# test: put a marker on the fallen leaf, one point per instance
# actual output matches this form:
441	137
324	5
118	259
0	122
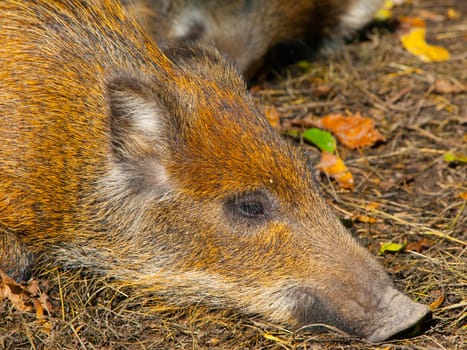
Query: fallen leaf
364	218
333	166
372	206
431	15
419	245
323	139
391	247
437	303
255	89
306	66
414	42
273	116
442	86
17	294
411	22
383	14
27	298
353	131
453	13
213	342
463	195
322	90
452	157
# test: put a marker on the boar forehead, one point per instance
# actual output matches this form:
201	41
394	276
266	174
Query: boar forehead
229	145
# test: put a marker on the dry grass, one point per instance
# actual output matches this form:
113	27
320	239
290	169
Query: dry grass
416	191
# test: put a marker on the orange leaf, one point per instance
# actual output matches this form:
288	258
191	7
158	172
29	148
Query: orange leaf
273	116
352	131
372	206
412	22
333	166
364	218
414	42
437	303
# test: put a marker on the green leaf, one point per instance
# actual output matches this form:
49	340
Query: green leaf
305	65
391	247
292	133
451	157
323	139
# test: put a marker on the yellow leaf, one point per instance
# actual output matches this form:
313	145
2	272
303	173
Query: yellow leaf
453	13
391	247
383	14
414	42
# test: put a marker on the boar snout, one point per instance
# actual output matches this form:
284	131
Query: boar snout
394	313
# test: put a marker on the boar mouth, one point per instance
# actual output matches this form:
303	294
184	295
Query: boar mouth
394	313
313	310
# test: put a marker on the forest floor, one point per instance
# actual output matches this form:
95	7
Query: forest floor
405	192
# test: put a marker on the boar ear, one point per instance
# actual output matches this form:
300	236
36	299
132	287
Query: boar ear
139	126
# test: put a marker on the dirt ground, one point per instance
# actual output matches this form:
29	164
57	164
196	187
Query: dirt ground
405	192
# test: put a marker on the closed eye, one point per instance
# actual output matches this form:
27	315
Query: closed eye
251	206
251	209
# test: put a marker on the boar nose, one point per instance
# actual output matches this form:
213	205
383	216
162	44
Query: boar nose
397	313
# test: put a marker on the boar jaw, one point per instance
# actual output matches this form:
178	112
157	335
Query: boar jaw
394	314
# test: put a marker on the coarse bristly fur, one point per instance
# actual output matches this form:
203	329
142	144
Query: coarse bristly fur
246	30
156	170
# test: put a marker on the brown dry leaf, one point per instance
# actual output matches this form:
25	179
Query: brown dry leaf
352	131
431	15
419	245
273	116
17	294
442	86
255	88
322	90
415	43
26	298
334	166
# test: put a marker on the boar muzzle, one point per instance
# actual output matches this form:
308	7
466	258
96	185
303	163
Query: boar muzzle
393	314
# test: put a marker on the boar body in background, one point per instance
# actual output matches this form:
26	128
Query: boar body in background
157	170
245	30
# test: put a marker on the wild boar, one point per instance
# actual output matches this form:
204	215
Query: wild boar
246	30
156	169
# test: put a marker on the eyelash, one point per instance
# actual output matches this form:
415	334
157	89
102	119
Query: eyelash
249	206
251	209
